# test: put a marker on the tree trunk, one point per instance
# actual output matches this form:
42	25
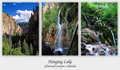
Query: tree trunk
75	32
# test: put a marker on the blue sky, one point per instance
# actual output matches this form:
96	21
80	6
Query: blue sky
43	4
21	11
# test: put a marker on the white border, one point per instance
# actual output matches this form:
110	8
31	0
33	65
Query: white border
37	63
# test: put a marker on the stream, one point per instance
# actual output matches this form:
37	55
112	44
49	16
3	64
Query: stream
99	48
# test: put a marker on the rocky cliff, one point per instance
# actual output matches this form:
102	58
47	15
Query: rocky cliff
25	29
49	6
33	30
6	20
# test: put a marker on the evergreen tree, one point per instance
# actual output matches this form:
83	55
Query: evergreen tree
17	51
31	49
37	53
25	48
5	39
19	43
5	49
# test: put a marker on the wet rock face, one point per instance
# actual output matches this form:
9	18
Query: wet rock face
107	33
6	20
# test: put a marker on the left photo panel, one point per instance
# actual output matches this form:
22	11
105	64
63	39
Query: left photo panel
20	28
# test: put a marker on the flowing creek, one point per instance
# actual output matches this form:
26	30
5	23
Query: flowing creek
100	47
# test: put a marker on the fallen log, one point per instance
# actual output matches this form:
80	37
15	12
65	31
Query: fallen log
74	34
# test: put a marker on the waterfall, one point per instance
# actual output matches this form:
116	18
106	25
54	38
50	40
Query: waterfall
58	44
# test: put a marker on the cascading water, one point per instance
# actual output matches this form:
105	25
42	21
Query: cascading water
112	36
61	36
106	48
58	44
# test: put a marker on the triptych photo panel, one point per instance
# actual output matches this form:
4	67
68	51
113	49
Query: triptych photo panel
60	23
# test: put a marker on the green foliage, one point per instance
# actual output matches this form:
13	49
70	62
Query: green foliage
31	49
106	12
19	43
37	53
110	15
88	35
102	39
7	14
89	9
25	48
83	24
5	39
5	49
89	40
68	9
50	18
17	51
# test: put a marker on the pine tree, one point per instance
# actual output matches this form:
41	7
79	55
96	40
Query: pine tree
31	49
5	49
5	39
25	48
19	43
37	53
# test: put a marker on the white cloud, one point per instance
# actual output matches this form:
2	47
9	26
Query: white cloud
24	15
4	4
14	4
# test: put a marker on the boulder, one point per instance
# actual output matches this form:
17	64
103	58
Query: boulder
88	35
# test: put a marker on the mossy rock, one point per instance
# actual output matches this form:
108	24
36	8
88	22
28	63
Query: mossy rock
83	24
102	39
106	32
110	41
88	35
63	12
72	12
89	40
92	22
98	26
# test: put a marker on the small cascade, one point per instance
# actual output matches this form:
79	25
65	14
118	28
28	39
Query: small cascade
99	49
112	36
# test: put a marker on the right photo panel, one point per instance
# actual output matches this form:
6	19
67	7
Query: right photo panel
99	32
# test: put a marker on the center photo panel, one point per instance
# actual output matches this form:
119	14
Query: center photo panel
59	28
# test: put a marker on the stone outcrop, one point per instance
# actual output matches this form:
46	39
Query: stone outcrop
6	20
49	6
88	33
25	29
32	35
